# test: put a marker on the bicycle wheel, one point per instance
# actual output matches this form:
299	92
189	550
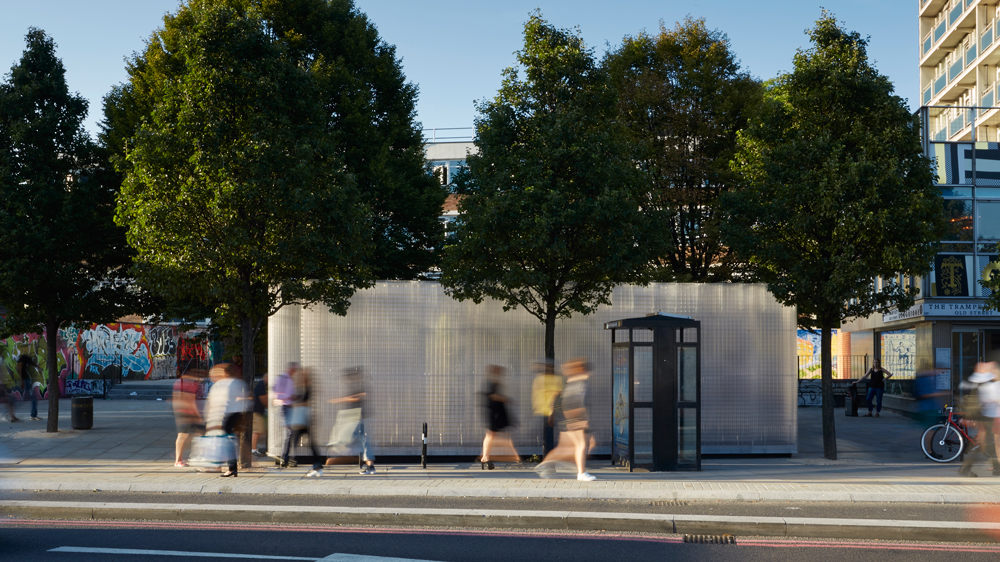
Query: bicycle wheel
942	443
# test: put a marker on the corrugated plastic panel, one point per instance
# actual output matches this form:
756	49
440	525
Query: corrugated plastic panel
425	355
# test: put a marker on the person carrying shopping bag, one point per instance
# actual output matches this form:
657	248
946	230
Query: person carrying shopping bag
228	400
300	421
349	436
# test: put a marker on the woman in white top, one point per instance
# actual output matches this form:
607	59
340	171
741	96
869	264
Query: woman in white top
228	399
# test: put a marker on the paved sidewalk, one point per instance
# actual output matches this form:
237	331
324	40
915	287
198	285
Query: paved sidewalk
131	449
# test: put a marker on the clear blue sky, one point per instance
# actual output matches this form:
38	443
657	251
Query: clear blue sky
454	50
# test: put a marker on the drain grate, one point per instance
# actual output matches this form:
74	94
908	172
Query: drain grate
669	503
710	539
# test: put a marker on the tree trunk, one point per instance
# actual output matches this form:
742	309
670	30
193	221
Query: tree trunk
826	370
51	365
550	334
549	432
247	327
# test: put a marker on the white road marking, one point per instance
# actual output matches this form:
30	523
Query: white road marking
138	552
365	558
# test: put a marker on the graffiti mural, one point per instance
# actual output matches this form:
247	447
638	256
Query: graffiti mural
163	350
35	348
89	355
810	353
80	387
115	346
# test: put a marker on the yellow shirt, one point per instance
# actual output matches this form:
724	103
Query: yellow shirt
544	390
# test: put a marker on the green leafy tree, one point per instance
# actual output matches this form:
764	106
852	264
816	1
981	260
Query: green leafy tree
549	220
235	197
838	193
373	121
62	258
683	98
991	280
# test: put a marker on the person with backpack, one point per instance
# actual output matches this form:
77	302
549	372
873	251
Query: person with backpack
983	407
876	387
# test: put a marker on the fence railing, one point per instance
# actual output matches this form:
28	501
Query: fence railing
844	366
855	366
449	134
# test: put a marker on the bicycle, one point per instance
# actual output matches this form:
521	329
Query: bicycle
945	442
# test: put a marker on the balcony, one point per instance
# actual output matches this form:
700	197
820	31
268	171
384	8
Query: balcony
956	11
955	69
955	23
939	83
956	125
986	39
987	101
930	8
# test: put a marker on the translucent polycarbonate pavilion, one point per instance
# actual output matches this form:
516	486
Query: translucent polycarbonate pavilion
425	355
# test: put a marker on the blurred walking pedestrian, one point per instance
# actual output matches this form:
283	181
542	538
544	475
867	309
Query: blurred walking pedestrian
24	368
350	435
984	384
544	389
574	443
876	386
284	397
186	413
259	415
7	397
228	400
497	417
300	420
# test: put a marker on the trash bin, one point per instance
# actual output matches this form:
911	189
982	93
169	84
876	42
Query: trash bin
83	412
851	402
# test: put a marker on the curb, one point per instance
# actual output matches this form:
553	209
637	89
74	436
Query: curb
804	527
424	488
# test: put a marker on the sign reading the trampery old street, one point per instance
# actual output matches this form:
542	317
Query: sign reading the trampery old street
938	308
958	309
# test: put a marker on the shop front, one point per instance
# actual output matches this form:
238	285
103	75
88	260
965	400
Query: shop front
940	338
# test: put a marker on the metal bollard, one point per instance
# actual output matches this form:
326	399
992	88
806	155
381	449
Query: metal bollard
423	448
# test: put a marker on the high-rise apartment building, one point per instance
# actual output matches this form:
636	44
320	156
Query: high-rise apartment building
948	330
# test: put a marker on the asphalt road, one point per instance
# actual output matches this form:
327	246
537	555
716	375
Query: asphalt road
27	541
870	510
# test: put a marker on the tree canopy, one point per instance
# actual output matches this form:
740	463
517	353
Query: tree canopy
62	258
549	219
371	120
683	98
235	195
839	193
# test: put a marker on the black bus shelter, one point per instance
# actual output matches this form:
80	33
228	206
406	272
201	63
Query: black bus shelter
656	392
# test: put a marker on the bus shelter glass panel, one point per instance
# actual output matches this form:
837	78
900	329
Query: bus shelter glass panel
643	361
643	436
621	404
687	374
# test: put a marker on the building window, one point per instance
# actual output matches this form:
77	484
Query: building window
988	219
447	169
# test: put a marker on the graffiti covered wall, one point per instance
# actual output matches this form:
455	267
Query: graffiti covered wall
102	352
